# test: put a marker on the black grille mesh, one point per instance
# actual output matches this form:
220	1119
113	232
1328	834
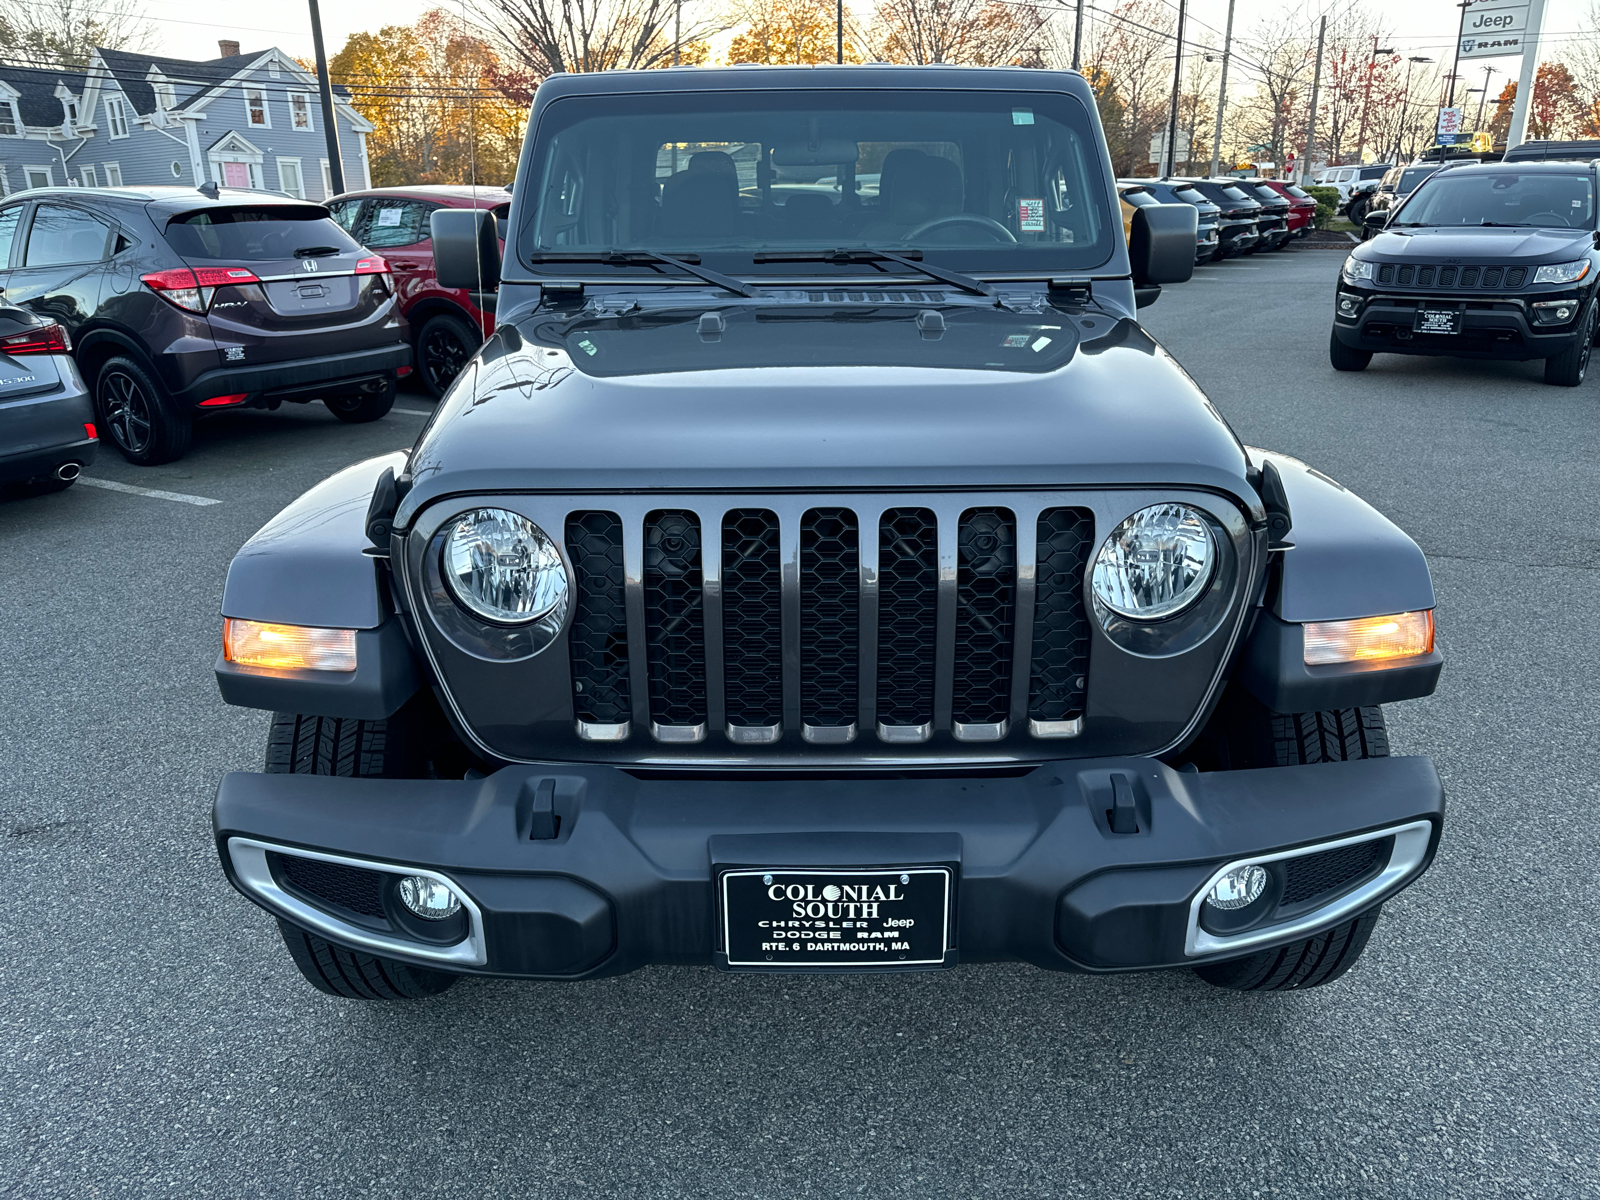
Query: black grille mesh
752	622
829	616
675	636
354	888
1060	625
908	583
986	604
598	640
1314	875
1507	278
1491	277
1515	277
1469	276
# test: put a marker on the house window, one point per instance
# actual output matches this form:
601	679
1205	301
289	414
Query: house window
255	103
300	110
37	177
117	117
72	114
8	118
5	182
327	181
289	178
89	179
113	174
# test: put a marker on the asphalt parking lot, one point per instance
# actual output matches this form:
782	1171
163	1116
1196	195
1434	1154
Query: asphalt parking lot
156	1041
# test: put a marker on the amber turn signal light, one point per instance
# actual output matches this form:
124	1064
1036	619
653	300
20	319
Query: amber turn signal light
288	647
1369	639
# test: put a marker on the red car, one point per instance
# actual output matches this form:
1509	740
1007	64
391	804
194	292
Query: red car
1301	206
447	327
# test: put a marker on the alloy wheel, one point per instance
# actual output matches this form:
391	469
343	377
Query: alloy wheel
127	412
443	357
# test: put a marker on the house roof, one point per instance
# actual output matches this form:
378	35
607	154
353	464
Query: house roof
37	102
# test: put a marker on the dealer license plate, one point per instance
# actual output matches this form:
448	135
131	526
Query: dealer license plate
1438	320
813	917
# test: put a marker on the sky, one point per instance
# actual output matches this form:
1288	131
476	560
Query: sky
1423	27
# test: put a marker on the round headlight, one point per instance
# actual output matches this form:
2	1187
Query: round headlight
1156	563
503	567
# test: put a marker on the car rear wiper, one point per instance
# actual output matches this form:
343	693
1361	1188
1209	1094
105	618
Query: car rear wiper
622	258
315	251
842	257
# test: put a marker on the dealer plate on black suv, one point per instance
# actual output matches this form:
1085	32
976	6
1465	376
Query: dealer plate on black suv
814	917
1438	320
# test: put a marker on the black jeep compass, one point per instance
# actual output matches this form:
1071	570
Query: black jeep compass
1483	260
180	301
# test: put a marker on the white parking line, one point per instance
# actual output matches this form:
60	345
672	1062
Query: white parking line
111	485
414	412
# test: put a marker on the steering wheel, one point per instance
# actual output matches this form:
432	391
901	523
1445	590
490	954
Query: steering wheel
1555	217
988	224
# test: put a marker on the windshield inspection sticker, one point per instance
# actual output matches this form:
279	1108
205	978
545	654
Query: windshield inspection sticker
1040	343
1015	341
1030	216
1022	116
588	347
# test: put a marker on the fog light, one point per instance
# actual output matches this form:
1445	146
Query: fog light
428	898
288	647
1347	306
1239	888
1554	312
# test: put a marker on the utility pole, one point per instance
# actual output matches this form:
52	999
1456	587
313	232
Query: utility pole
1487	71
1366	100
1222	90
1518	132
1316	87
677	31
330	127
1171	155
838	50
1077	38
1461	28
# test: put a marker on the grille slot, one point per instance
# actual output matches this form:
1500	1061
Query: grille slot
1469	276
752	618
1425	277
1407	275
1447	276
1386	273
1314	875
353	888
986	599
830	609
908	581
1515	277
1060	623
675	624
598	639
1491	276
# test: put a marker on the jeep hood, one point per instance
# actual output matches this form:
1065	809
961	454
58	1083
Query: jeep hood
782	404
1471	244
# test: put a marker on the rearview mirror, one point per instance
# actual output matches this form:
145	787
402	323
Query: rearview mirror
1161	245
466	248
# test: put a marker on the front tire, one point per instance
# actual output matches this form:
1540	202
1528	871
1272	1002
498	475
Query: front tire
142	420
1358	212
1568	368
1345	358
357	408
352	975
444	345
1304	964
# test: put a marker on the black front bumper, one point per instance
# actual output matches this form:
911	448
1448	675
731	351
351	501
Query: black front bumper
627	880
301	376
1492	327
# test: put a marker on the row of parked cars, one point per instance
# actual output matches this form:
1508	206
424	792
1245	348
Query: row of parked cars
1236	216
130	312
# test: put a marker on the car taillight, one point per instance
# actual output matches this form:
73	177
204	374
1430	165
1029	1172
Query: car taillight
89	430
177	286
372	266
224	401
192	289
46	339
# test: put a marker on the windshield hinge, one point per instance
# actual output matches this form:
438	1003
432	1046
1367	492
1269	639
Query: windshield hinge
562	290
1070	291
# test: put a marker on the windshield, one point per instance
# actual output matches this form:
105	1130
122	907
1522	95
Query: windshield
259	233
980	181
1502	198
1411	176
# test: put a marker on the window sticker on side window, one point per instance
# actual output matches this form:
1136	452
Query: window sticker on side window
388	217
1030	216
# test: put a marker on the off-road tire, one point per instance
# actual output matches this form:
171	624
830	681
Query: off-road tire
1335	735
444	344
1344	358
352	975
1358	212
138	416
1568	368
1304	964
358	408
305	745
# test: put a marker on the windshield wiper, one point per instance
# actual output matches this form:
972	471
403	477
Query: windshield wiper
621	258
1510	225
843	257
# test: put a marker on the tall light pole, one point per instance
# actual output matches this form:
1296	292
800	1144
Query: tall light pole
1487	71
1366	100
1222	91
1077	38
838	49
677	31
1405	104
1461	27
1316	87
1171	155
330	127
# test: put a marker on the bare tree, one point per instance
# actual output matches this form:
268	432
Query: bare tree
1128	59
546	37
984	33
65	32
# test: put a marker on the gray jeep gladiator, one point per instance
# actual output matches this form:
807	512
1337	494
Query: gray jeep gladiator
820	569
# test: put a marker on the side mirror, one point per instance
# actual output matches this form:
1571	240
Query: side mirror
1161	247
1376	220
466	248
